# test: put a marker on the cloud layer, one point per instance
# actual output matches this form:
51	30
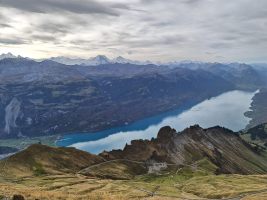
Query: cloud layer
208	30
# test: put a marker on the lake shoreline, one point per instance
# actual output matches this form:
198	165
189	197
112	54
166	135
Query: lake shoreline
56	140
79	140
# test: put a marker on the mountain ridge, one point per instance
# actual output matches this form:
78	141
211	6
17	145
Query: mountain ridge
220	147
103	59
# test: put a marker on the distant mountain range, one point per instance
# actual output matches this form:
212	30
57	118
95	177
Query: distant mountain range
98	60
46	97
94	61
102	59
7	55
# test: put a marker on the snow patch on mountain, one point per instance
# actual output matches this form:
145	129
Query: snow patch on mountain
98	60
7	55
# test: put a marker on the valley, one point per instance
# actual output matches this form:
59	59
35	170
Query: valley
113	112
47	98
58	104
224	110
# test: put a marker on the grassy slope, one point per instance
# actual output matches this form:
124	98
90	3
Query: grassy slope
184	185
41	181
190	182
120	169
39	160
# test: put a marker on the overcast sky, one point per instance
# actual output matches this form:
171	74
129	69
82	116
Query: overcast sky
158	30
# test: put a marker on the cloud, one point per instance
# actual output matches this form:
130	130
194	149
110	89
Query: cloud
12	41
77	6
44	38
52	27
138	29
4	25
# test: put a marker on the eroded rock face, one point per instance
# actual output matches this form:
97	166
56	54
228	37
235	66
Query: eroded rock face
165	133
11	114
221	146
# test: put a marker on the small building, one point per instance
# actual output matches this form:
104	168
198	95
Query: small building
155	167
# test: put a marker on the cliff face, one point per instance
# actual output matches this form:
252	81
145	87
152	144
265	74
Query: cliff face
221	146
258	111
257	136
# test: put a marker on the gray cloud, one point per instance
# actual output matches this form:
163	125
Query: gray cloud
52	27
140	29
4	25
12	41
45	38
77	6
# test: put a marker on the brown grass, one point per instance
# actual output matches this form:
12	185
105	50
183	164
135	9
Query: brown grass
70	187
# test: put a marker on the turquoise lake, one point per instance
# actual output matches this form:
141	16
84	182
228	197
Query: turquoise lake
226	110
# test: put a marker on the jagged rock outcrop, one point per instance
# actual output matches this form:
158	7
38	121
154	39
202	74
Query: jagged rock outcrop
221	146
11	114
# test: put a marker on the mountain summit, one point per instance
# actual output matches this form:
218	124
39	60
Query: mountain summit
7	55
98	60
222	147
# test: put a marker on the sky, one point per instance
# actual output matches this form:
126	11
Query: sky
156	30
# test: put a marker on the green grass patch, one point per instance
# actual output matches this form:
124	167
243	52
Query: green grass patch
38	169
22	143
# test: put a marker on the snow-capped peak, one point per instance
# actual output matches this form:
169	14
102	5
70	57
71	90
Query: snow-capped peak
121	60
98	60
7	55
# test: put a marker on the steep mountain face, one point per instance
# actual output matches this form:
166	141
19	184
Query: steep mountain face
222	147
243	76
261	68
257	135
21	70
44	98
258	110
36	94
98	60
